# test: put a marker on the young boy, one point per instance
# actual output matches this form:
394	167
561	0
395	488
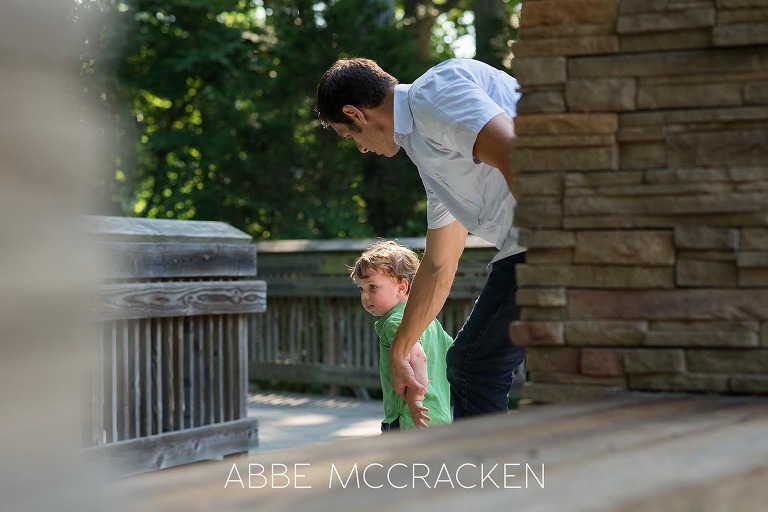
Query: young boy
383	274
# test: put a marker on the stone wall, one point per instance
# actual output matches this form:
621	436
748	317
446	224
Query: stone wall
642	162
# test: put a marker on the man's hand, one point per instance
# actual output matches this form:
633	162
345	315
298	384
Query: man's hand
402	377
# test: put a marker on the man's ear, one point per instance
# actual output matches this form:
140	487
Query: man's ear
354	113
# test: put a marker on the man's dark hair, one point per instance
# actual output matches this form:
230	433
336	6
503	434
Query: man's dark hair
358	82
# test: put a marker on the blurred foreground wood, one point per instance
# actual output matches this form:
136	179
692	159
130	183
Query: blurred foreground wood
636	453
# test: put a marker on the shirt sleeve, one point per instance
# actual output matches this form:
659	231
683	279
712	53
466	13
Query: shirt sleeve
451	109
438	215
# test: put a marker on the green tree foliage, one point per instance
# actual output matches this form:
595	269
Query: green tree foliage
210	109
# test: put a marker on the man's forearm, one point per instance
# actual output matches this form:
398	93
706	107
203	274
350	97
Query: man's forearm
429	291
430	287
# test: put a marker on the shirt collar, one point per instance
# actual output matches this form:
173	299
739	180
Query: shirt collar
383	318
403	116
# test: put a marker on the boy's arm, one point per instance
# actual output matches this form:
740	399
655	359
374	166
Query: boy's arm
412	396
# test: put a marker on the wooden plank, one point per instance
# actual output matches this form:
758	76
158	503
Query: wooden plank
353	245
172	299
176	448
314	373
628	454
335	286
133	229
97	388
131	260
242	362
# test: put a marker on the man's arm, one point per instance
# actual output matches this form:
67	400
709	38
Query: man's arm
429	291
414	399
494	146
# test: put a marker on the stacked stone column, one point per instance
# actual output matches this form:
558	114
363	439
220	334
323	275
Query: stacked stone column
642	161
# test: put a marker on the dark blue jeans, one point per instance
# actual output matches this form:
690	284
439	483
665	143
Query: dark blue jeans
482	360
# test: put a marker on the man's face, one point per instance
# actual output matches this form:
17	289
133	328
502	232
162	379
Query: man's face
369	137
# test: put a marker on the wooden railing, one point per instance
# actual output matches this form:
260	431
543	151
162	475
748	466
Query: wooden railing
169	372
316	331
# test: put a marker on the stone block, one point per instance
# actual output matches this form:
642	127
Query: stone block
707	255
764	334
634	6
704	304
567	46
753	384
537	102
642	155
565	141
699	61
566	159
654	361
538	212
686	119
734	147
541	297
547	239
601	95
542	314
665	21
602	362
595	276
682	95
598	179
549	256
753	277
625	247
642	134
701	339
532	71
564	393
627	220
608	333
577	379
539	13
578	30
553	359
740	4
705	274
566	124
754	239
678	383
737	34
535	333
705	237
756	93
539	184
670	205
689	39
728	361
752	259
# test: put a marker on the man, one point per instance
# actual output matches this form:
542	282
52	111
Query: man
455	123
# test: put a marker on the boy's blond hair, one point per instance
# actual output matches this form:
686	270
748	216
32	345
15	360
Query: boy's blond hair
388	258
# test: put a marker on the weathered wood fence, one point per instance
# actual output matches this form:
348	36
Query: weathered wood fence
316	331
169	372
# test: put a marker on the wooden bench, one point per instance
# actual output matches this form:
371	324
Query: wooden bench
631	453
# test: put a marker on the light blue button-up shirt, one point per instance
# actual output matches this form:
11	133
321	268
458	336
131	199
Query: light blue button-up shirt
437	119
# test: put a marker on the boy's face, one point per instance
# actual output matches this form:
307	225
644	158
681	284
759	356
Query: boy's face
380	293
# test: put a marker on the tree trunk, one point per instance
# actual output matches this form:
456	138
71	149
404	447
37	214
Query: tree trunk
489	19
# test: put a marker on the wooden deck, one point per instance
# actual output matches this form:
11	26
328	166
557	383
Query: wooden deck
637	453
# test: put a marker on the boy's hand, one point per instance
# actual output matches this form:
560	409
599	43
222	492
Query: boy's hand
418	414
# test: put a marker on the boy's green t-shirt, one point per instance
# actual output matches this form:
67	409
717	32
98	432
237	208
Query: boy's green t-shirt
435	342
